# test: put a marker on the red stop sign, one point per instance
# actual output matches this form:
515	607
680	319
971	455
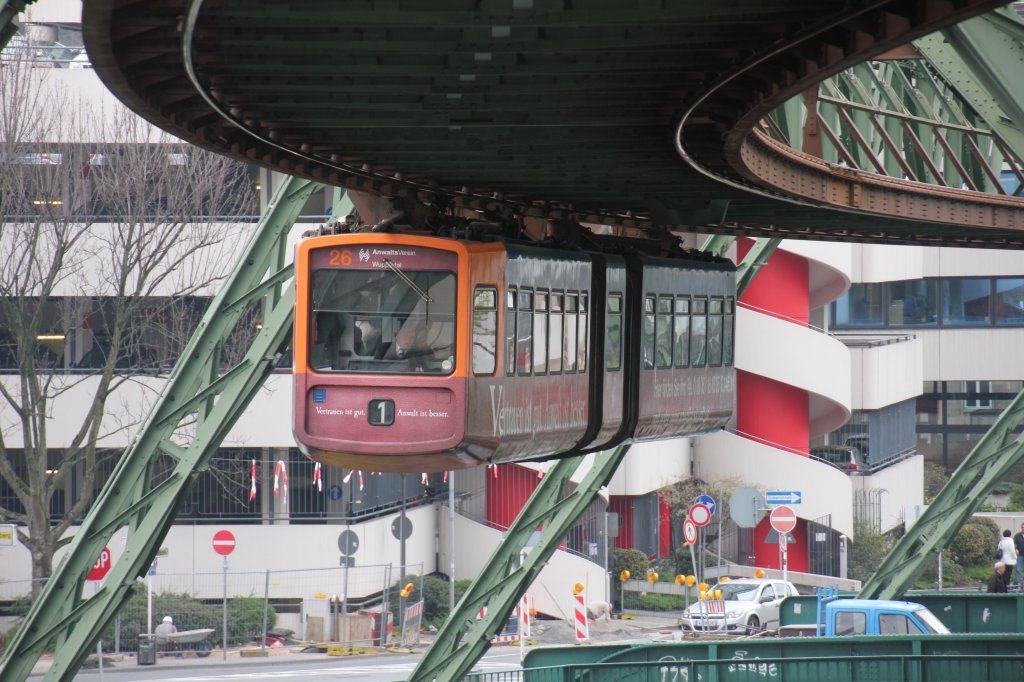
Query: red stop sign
101	567
224	542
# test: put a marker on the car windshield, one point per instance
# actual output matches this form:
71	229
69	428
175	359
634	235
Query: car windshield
736	591
931	621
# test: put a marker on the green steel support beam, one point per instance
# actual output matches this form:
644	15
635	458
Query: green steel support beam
59	620
755	259
9	11
510	570
981	58
752	263
996	453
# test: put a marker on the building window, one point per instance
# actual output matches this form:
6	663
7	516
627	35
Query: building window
571	321
980	392
485	329
682	332
510	332
524	334
613	340
555	336
698	333
540	332
965	302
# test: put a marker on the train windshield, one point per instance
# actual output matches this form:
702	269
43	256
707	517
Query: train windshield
393	320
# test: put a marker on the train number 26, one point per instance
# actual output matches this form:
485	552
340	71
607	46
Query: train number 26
342	258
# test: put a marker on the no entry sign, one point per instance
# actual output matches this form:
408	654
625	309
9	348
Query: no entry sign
224	542
783	519
101	567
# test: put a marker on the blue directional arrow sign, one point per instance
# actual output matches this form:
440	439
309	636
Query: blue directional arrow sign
708	502
783	497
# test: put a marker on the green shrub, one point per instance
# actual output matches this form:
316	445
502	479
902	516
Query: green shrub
972	546
632	560
245	617
1016	502
866	554
652	601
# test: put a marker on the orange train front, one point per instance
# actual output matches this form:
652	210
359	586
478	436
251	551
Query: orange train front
417	353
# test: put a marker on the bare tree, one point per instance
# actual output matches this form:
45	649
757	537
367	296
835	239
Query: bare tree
112	234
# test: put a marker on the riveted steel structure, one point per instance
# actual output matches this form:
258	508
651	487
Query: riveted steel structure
646	115
59	620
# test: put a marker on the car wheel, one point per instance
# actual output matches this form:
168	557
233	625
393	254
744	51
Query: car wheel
753	625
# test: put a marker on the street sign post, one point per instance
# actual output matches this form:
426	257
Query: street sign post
101	567
772	497
783	520
690	532
746	507
708	502
700	515
224	542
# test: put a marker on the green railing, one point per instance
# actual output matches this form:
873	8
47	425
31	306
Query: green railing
1000	668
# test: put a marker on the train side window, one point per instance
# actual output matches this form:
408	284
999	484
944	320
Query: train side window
663	333
728	339
682	332
584	333
715	306
510	332
485	329
698	333
613	342
540	332
524	334
647	342
555	337
571	320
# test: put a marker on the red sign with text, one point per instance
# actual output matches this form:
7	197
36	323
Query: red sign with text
101	567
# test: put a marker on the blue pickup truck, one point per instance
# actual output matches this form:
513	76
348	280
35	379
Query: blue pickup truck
870	617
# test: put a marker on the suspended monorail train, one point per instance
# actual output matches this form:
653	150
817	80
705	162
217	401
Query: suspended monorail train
421	354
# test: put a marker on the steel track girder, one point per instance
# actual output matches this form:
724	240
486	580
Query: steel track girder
994	455
58	618
501	582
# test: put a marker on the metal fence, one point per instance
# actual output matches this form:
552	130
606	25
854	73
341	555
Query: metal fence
997	668
215	612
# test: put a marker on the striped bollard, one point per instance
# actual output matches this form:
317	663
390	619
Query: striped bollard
579	603
524	615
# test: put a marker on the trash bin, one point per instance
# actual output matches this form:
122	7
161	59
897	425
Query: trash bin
147	650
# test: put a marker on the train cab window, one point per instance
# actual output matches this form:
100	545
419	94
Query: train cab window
510	332
613	342
698	333
681	330
524	334
715	309
555	336
647	341
571	320
540	332
728	327
582	336
485	329
663	333
382	321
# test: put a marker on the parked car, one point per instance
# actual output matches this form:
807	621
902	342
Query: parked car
845	457
747	604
